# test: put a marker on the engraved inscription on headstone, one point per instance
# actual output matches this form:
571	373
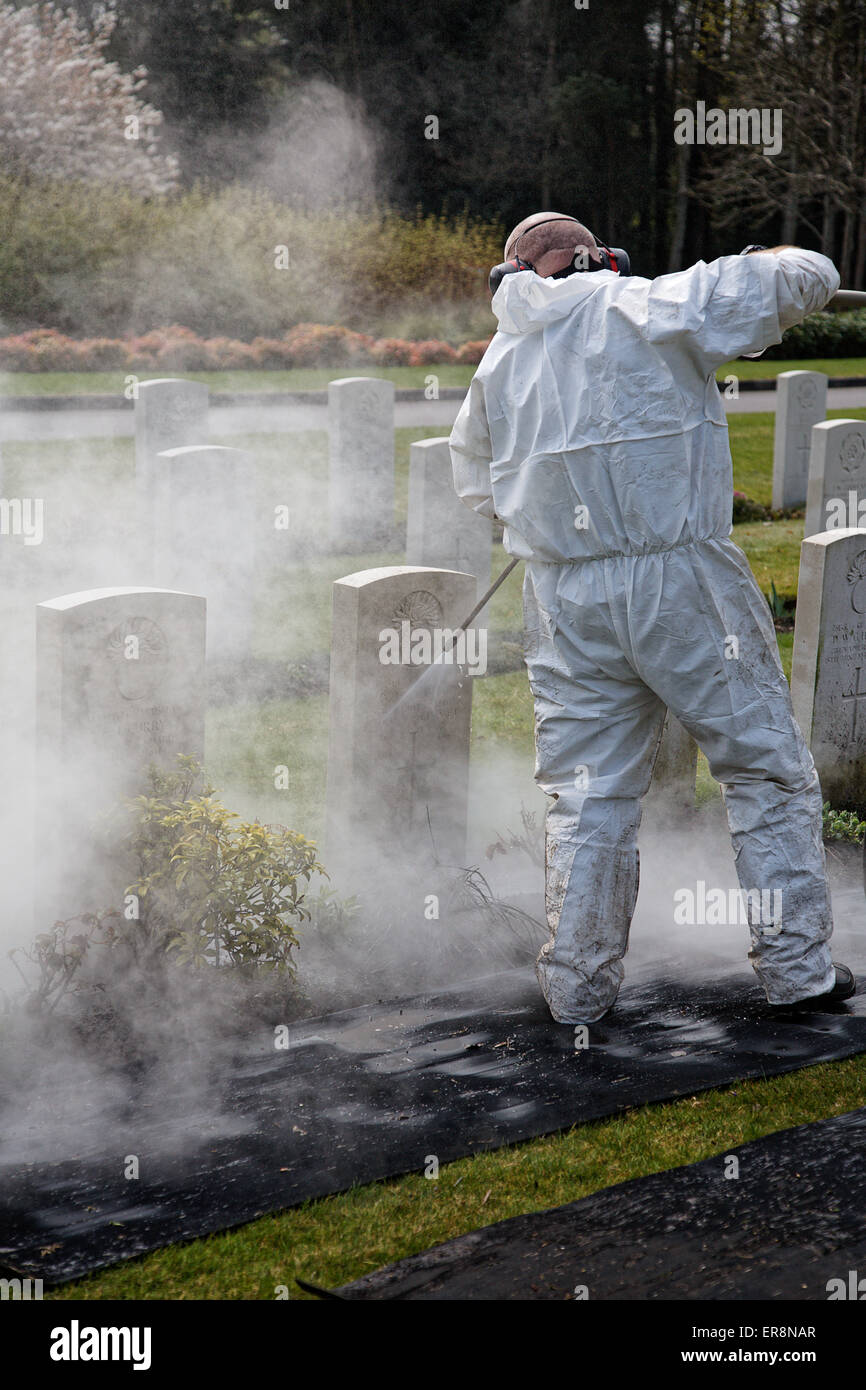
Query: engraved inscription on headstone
120	685
828	682
837	476
398	759
801	402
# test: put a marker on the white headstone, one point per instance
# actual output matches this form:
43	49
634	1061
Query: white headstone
837	476
361	486
398	758
801	402
828	679
206	529
119	685
169	413
441	532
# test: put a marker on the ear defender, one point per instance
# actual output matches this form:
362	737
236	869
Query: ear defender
499	272
614	258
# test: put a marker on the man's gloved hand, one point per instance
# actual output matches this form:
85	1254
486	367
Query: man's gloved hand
753	246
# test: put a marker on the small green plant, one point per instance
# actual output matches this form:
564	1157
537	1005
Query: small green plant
330	916
746	509
842	825
783	609
51	965
211	888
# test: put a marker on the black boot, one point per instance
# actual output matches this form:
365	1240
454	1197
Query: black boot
845	986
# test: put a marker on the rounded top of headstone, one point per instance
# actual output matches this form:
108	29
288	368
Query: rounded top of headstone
361	578
172	381
838	533
436	443
96	595
374	384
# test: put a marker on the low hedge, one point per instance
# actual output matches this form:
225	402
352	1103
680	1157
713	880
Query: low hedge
824	335
179	349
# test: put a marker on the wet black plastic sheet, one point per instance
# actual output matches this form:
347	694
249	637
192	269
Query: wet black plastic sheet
367	1094
792	1225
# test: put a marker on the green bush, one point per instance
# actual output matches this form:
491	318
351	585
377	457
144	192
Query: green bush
843	825
98	260
824	335
210	887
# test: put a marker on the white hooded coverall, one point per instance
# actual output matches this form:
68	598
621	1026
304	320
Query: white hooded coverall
594	430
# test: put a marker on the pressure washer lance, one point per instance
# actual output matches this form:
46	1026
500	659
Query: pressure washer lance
486	598
846	300
413	688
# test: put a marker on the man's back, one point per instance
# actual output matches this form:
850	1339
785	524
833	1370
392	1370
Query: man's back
605	431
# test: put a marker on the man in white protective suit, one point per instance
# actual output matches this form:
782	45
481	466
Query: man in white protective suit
594	431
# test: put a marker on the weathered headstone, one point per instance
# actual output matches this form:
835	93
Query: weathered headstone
828	679
837	476
361	484
801	402
169	413
119	685
441	532
206	530
398	759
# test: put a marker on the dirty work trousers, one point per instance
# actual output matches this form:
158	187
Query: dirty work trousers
610	642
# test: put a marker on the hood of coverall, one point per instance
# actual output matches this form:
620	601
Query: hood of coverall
526	302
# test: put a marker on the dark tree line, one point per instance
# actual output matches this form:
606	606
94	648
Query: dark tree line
542	104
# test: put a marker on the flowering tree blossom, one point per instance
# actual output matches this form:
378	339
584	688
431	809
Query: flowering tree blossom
66	112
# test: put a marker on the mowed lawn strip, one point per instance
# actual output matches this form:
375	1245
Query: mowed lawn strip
336	1239
317	378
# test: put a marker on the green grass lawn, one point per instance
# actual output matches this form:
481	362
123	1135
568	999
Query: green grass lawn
763	367
317	378
342	1237
335	1239
292	379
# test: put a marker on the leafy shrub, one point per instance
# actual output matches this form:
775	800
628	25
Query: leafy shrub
745	509
211	887
842	825
104	260
55	958
471	353
824	335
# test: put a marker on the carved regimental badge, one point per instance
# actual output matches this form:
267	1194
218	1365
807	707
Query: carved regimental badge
137	650
852	452
807	394
420	608
857	579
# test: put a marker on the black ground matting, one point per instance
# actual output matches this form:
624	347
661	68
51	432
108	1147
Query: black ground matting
362	1095
793	1220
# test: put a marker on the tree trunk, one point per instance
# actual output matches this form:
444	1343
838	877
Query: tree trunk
860	261
792	200
846	255
827	226
681	209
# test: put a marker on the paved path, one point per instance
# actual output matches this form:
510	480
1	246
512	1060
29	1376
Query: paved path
289	418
